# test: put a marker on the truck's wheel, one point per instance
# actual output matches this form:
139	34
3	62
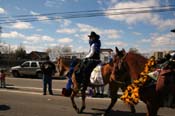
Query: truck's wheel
15	73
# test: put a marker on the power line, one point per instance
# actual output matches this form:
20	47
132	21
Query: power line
75	12
89	13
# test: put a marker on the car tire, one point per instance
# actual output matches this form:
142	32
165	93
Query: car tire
15	73
39	74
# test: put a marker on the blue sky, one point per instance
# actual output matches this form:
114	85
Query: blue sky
147	32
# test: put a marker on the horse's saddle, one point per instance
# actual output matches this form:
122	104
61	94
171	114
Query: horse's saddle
95	76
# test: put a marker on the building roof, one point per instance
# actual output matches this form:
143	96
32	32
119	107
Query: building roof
106	50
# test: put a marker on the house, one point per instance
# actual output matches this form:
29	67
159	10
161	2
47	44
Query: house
105	53
35	55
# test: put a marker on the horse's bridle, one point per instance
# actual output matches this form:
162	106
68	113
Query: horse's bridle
120	70
121	60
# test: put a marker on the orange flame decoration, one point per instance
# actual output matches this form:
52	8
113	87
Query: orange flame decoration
131	94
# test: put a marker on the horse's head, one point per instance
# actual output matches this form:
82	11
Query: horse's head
127	65
120	68
61	67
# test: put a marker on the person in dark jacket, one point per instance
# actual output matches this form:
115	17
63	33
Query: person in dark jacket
48	68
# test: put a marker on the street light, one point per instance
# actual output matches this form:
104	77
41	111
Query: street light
173	30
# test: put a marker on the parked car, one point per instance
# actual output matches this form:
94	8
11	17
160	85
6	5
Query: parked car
27	68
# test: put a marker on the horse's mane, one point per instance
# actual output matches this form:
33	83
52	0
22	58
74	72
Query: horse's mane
66	61
63	64
136	63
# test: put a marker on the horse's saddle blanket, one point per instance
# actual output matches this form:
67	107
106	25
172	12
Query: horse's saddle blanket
154	75
166	79
166	86
96	76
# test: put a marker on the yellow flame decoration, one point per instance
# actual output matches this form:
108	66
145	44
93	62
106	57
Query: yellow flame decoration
131	94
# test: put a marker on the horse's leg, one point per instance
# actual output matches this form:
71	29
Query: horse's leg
83	93
74	93
132	108
113	94
152	108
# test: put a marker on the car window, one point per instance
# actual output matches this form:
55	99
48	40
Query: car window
25	64
33	64
40	63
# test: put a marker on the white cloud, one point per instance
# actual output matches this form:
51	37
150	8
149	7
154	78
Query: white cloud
33	38
158	42
66	31
2	11
163	40
137	33
55	3
66	22
117	43
39	17
21	25
12	34
108	33
39	38
145	41
85	28
148	18
129	18
64	40
30	48
63	22
111	33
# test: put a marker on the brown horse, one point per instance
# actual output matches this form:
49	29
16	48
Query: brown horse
128	66
63	66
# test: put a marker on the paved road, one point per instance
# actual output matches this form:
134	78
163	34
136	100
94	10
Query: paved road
34	104
23	97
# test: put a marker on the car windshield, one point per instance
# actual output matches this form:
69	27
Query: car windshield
26	64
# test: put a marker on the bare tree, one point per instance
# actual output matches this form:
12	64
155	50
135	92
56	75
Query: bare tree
20	52
56	51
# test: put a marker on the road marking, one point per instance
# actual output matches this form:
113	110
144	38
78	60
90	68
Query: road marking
15	91
38	93
37	88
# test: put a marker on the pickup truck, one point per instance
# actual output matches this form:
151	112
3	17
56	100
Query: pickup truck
27	68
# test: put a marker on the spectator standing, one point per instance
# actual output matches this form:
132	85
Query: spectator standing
48	68
2	79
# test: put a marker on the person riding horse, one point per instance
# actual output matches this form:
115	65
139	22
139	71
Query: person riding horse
91	60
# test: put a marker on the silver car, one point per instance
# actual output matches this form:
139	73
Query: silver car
27	68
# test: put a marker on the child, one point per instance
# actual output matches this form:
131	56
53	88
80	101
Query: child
2	78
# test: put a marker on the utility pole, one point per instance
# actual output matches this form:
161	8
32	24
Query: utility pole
0	33
0	36
173	31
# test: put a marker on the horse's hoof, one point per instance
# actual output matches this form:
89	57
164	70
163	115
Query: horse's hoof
106	113
133	110
77	110
82	108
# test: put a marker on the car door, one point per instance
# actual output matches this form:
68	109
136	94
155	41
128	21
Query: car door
24	68
34	67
